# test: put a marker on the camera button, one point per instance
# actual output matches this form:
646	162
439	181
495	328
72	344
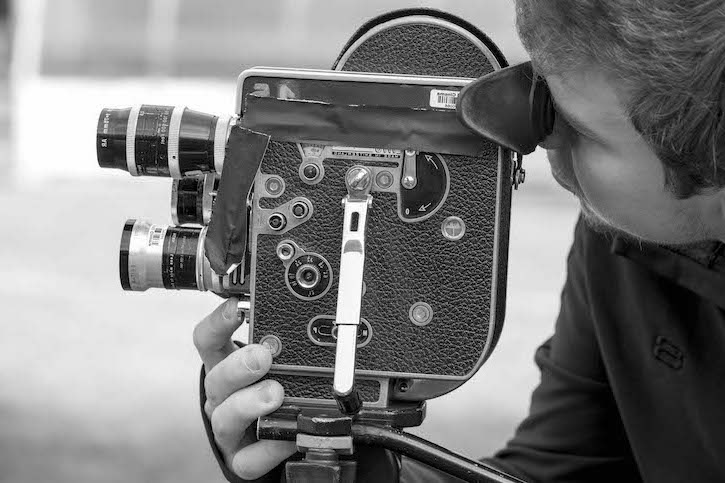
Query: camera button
272	343
453	228
384	179
420	313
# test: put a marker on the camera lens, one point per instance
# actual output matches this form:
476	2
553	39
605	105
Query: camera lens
171	257
159	256
161	140
192	199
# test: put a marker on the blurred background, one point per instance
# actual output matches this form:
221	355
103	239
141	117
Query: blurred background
100	385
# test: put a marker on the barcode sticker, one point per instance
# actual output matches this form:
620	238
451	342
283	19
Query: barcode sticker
157	235
444	99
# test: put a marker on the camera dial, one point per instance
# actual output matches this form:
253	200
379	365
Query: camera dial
309	276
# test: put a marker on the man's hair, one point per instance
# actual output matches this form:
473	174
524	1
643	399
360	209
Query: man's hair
670	56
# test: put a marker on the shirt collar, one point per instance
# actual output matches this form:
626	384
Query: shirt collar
699	267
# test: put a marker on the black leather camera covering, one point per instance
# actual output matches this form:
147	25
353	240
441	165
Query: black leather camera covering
424	49
405	262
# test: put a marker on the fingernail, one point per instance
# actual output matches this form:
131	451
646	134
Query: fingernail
230	309
269	392
253	360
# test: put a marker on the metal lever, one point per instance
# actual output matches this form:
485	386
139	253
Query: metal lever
410	169
358	180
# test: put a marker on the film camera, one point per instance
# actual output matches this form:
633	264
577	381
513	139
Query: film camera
408	239
362	224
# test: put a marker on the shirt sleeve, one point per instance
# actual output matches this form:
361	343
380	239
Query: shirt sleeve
573	431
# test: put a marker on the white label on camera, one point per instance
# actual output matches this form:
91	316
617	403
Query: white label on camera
443	99
156	235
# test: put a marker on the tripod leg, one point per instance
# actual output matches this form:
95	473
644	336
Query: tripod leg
321	465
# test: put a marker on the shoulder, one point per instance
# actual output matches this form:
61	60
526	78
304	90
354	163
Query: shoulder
613	268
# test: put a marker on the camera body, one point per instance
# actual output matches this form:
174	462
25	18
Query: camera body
435	244
434	225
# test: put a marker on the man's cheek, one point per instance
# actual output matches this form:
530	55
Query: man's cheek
612	186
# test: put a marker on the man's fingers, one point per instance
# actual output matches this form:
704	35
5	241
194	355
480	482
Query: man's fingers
260	458
212	336
231	418
240	369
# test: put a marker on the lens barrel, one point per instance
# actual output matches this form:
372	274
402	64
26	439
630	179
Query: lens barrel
170	257
161	140
192	199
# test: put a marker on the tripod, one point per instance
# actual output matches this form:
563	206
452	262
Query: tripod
324	437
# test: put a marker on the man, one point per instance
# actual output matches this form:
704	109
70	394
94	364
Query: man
631	380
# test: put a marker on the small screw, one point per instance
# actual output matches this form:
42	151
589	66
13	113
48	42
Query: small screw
277	221
420	313
358	178
384	179
403	386
300	209
408	182
274	186
285	251
310	171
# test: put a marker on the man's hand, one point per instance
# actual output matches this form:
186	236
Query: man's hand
234	397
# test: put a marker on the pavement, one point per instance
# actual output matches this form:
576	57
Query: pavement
97	384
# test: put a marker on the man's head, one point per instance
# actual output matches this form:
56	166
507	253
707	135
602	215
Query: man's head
640	91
